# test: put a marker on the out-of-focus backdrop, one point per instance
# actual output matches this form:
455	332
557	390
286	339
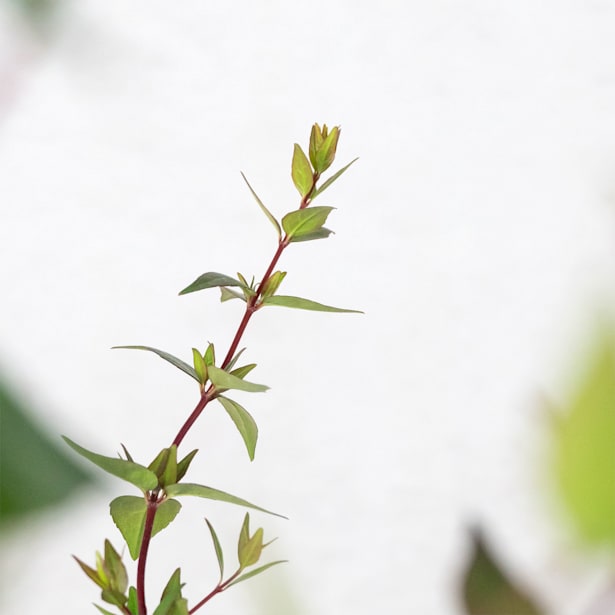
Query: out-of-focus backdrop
477	232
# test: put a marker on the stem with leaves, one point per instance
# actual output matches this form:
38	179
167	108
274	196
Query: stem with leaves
139	519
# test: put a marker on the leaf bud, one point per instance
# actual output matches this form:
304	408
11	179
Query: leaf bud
323	146
272	284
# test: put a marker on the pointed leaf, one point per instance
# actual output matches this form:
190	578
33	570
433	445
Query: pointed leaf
305	221
128	513
256	571
184	464
90	572
234	360
113	596
226	294
118	578
269	215
243	371
133	604
187	369
250	552
584	446
169	476
326	184
244	423
301	171
211	279
223	380
134	473
487	590
209	493
217	548
304	304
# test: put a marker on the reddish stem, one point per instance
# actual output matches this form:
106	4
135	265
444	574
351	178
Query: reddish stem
216	590
152	506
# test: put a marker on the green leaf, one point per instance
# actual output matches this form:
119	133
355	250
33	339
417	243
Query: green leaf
217	548
104	611
211	279
113	596
184	464
223	380
250	552
269	215
272	284
187	369
133	604
199	366
118	578
172	602
304	304
36	470
90	572
321	233
584	446
129	471
303	222
301	171
256	571
321	189
128	513
210	355
244	423
226	294
487	589
243	371
234	360
169	476
201	491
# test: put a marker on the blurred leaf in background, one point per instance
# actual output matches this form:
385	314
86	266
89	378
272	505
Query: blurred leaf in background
36	12
488	590
584	446
34	471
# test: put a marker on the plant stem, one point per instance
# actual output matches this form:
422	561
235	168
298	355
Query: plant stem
216	590
152	506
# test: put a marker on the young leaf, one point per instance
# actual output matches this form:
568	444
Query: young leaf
90	572
201	491
304	304
217	548
199	366
226	294
211	279
113	596
326	184
167	357
243	371
118	578
272	284
305	221
172	602
269	215
128	513
234	360
301	171
210	355
133	604
169	476
256	571
184	464
223	380
487	590
129	471
251	551
244	423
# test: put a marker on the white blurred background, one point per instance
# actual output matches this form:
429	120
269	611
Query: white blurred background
477	232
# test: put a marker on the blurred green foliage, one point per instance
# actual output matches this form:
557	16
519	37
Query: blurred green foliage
584	446
34	471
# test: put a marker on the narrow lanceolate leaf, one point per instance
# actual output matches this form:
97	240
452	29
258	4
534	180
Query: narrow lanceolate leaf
187	369
90	572
210	279
269	215
244	423
487	589
305	221
326	184
209	493
217	548
223	380
132	600
128	513
243	371
301	171
184	464
129	471
256	571
304	304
